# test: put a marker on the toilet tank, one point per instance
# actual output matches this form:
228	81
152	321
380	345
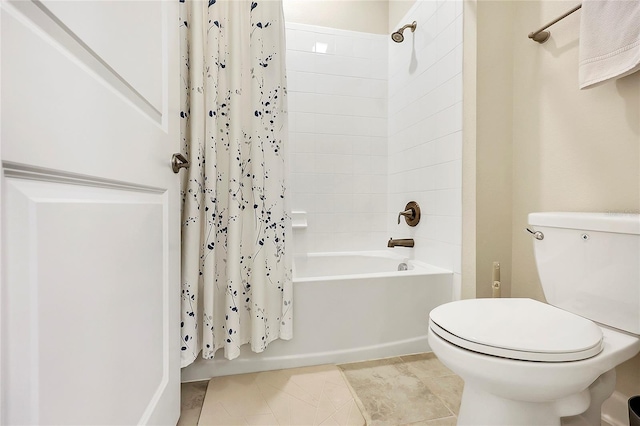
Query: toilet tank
589	264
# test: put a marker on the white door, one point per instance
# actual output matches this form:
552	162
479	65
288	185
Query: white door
89	300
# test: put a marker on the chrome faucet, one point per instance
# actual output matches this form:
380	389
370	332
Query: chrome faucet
403	242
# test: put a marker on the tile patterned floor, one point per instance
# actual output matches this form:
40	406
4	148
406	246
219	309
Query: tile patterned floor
408	390
412	390
192	398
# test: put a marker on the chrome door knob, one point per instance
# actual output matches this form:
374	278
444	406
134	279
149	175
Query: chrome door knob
178	161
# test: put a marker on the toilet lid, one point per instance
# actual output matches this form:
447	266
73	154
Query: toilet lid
523	329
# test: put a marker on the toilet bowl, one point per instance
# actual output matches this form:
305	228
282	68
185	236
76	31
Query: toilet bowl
507	391
526	362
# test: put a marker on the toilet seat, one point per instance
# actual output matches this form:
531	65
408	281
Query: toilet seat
521	329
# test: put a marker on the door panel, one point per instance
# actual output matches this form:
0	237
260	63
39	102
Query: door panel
89	301
124	47
73	315
68	96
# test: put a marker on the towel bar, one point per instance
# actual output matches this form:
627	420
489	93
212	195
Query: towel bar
541	35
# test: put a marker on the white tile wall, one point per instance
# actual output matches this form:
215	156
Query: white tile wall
375	124
425	131
337	85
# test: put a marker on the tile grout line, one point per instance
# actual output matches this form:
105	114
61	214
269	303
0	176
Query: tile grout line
356	399
324	384
269	405
315	416
445	404
436	394
439	398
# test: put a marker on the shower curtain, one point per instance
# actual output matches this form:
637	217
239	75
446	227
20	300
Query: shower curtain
236	271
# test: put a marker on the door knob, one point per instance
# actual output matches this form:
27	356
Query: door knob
178	161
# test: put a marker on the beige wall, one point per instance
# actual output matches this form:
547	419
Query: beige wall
494	144
369	16
397	10
487	159
570	150
469	134
573	150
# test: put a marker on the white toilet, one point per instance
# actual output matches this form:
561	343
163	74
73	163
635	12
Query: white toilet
526	362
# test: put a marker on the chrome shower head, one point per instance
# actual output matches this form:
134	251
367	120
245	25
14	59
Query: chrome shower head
398	37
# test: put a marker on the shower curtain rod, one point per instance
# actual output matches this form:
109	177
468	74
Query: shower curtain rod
541	35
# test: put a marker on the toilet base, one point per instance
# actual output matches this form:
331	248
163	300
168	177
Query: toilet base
600	391
479	407
584	408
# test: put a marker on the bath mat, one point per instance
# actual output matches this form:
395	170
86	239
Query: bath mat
317	395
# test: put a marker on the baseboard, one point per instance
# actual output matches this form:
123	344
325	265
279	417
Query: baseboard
615	410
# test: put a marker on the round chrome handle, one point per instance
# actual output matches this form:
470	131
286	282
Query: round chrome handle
178	161
536	234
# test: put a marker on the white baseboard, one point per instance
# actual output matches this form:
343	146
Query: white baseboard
615	411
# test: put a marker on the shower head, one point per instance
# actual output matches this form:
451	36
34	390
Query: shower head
398	37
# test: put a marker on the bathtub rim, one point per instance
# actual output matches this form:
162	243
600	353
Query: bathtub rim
420	268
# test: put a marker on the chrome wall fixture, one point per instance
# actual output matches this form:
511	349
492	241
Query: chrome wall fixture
541	35
398	37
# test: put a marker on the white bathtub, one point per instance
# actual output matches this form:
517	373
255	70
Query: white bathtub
347	307
337	266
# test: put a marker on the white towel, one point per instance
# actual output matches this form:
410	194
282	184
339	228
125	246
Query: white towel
609	40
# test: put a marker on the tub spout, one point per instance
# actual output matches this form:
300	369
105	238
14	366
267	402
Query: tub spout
403	242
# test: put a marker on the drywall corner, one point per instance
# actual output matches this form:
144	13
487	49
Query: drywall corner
469	70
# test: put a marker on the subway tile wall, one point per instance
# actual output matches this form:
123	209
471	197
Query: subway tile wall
425	132
373	125
337	86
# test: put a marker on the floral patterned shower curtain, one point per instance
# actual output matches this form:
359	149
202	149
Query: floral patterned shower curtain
236	272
